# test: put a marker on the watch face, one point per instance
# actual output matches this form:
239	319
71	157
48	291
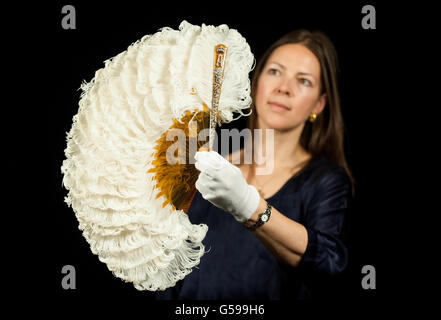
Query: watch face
264	218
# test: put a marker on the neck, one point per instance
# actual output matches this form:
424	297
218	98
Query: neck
281	149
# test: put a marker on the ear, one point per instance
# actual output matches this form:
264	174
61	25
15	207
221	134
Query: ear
321	103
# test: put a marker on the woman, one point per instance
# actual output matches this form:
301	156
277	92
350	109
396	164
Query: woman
278	235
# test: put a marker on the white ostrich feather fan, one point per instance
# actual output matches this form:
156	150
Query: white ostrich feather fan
114	186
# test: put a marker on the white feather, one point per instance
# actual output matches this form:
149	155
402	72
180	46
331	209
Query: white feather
122	112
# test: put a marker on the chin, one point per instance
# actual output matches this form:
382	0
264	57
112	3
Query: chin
280	126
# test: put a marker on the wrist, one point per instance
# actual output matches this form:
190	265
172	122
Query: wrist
247	204
262	217
260	208
254	200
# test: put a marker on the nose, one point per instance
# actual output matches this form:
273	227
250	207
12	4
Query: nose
284	88
283	91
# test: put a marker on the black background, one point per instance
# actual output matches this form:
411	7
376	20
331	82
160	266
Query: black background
370	61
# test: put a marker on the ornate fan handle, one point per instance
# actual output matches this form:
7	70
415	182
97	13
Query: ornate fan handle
220	52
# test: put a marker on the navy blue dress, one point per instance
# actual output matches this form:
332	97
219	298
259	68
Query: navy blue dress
238	266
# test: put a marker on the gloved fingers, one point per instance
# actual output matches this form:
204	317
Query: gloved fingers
203	187
217	157
205	169
208	180
237	169
209	160
222	161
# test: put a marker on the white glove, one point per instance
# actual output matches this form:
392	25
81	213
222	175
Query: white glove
223	184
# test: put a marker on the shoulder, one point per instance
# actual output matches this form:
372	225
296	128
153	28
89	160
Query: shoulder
326	187
322	173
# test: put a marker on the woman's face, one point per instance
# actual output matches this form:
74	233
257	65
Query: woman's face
288	89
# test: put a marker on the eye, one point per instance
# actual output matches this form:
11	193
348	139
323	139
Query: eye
273	71
306	82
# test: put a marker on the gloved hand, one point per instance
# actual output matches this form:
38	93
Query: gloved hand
223	184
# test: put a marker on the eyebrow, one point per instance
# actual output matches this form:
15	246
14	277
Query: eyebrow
284	68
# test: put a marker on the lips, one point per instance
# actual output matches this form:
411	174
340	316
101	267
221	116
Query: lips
278	106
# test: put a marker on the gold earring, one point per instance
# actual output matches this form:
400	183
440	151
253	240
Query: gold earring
312	117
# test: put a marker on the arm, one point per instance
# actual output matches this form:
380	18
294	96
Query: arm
318	242
285	238
314	245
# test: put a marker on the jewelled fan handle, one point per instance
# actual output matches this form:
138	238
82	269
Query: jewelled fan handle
220	53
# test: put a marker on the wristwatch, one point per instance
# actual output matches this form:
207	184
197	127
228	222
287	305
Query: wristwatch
263	218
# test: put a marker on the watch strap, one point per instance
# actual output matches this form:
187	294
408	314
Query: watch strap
262	219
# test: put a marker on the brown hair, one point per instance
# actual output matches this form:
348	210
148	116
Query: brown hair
324	138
